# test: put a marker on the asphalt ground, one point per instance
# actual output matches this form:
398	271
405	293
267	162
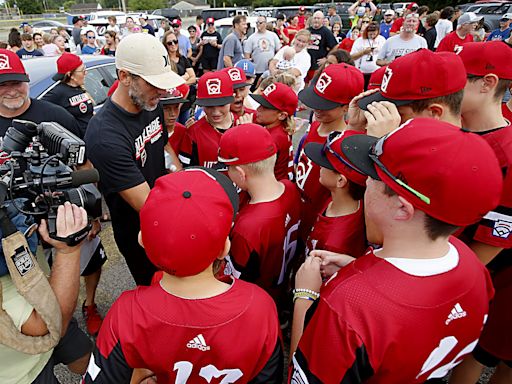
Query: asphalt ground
116	279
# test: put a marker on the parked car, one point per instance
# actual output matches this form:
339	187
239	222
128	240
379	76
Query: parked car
221	13
169	13
464	7
47	25
491	12
224	26
101	74
100	25
287	11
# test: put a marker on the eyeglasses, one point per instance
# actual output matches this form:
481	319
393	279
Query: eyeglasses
172	42
377	150
261	22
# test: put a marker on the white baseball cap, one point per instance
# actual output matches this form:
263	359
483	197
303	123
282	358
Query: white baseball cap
507	16
389	12
143	55
468	18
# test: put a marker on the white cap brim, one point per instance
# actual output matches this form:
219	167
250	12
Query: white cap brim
166	80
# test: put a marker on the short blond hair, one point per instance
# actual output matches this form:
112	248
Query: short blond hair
261	167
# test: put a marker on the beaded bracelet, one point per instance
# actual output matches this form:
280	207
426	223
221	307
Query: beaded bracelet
306	294
316	295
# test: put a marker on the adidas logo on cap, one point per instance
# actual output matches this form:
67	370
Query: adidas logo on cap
198	342
456	313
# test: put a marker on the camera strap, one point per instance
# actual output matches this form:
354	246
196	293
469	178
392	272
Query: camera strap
75	238
32	284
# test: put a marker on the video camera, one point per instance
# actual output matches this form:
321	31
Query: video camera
35	168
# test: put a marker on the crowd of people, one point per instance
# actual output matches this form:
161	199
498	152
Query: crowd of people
375	250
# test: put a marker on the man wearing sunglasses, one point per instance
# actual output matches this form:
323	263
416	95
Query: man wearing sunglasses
125	141
408	312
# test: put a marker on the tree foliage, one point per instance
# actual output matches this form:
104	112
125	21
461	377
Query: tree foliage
146	4
29	6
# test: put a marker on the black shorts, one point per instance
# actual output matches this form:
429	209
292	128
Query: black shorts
487	359
97	260
209	63
74	345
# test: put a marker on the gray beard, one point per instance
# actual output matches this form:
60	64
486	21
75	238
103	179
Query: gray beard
138	101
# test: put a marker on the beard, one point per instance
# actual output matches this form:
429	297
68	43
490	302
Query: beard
138	99
13	104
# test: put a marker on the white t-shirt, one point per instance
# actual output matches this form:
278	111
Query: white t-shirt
368	63
262	47
302	60
395	47
443	27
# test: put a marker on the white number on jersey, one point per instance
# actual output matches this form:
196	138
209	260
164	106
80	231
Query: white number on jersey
185	368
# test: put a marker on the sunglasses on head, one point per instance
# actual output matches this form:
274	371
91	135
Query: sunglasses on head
328	148
172	42
377	150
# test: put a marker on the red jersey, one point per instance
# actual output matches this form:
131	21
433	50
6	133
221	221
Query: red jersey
231	337
507	113
397	25
342	234
392	321
264	239
313	194
302	22
284	163
496	226
346	44
200	146
177	135
453	43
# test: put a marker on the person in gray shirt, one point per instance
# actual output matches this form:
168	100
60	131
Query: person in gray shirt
261	47
78	23
232	51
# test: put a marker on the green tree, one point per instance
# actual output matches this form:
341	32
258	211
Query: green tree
136	5
29	6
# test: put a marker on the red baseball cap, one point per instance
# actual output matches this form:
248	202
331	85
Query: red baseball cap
175	95
330	156
337	85
237	76
176	22
492	57
11	67
376	78
450	174
67	62
245	144
214	89
186	220
302	8
210	20
278	96
419	75
412	5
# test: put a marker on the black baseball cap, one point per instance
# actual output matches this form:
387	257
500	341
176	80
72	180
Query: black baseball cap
76	19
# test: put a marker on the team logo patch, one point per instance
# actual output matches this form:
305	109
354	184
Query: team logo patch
385	80
234	74
502	229
22	261
82	107
4	62
323	82
271	88
213	86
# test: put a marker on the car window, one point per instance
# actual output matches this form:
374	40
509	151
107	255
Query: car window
492	10
111	69
96	86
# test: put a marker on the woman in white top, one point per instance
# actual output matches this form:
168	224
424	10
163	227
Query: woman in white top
365	50
444	26
302	58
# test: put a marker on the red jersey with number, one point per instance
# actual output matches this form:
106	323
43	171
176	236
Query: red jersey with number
507	113
263	240
313	194
342	234
230	337
453	43
284	163
395	321
496	226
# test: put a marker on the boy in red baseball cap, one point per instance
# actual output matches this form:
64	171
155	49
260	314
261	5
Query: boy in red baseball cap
201	144
410	311
265	232
190	327
489	75
241	90
329	98
278	103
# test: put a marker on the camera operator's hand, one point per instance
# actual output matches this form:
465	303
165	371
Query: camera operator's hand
70	219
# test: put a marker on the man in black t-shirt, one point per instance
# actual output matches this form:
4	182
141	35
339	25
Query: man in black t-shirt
322	41
143	19
126	140
211	41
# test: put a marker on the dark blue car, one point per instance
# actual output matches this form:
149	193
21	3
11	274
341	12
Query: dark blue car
101	74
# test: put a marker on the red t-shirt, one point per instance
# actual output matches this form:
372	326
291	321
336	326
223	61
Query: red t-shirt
453	43
230	337
302	22
313	194
263	240
346	44
341	234
507	113
177	135
387	325
397	25
284	163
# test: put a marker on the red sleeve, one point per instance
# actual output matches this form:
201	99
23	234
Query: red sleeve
444	45
184	149
397	24
240	249
176	136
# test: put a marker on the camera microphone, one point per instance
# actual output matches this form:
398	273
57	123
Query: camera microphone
84	176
